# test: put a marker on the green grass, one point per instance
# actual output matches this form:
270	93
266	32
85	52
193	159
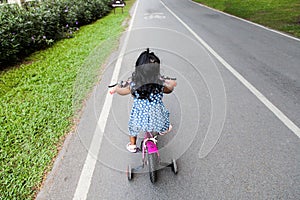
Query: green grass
282	15
39	101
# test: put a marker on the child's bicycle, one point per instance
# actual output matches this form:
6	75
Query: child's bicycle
150	157
149	150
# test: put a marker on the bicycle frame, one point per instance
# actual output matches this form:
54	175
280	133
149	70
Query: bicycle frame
149	144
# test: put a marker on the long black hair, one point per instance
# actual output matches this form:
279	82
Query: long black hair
146	77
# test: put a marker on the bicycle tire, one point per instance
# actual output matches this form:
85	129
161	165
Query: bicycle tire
129	173
153	164
174	166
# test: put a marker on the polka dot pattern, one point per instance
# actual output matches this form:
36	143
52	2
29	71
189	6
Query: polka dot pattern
148	115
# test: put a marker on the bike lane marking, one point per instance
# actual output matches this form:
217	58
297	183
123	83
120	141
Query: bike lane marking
278	113
86	175
244	20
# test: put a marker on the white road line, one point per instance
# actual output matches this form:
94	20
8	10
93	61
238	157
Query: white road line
280	115
91	159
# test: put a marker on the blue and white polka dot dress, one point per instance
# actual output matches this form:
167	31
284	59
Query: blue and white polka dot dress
151	116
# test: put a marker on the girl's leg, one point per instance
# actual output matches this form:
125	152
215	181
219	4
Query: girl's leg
132	140
131	146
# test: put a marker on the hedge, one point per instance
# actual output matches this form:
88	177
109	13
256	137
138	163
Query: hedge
37	25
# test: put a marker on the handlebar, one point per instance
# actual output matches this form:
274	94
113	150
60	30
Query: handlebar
110	86
126	83
122	84
168	78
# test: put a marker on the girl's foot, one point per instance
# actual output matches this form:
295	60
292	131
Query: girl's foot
131	148
167	131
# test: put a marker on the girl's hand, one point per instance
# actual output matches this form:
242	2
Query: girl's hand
112	91
171	83
120	90
169	86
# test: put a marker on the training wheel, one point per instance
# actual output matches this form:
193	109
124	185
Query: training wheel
129	173
174	166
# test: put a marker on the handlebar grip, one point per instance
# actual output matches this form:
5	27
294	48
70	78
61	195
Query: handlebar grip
168	78
122	84
110	86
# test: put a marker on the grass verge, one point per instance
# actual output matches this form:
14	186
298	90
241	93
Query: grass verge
282	15
37	102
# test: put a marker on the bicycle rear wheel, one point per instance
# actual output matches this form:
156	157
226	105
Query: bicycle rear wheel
153	164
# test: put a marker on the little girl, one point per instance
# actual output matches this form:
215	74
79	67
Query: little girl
147	87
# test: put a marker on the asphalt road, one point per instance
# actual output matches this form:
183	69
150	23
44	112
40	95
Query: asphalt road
235	113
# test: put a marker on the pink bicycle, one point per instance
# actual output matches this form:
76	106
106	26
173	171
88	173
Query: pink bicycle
150	157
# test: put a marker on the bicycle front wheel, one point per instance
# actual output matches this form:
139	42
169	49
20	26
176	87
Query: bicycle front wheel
153	164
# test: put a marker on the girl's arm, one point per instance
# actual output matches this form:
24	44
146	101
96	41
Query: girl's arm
169	86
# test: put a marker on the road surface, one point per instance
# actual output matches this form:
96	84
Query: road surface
235	113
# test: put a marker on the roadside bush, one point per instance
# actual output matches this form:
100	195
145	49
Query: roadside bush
36	25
